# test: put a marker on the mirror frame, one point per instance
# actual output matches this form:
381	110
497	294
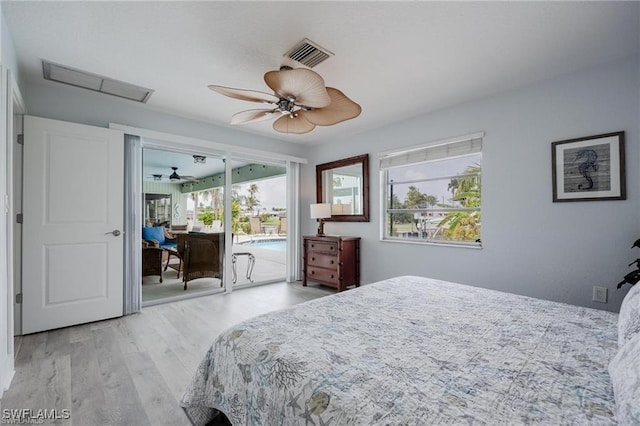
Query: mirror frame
360	159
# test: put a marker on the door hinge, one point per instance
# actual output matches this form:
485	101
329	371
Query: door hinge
19	218
19	298
20	139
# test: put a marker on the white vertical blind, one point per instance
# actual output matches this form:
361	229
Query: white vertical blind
294	254
228	222
132	224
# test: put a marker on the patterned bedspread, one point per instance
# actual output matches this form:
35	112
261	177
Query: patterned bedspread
411	351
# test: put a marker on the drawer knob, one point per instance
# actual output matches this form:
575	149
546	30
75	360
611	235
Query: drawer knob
332	262
331	276
313	258
313	272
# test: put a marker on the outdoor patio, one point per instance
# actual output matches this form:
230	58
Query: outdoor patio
269	266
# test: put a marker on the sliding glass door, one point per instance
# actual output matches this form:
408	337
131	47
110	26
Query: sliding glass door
259	222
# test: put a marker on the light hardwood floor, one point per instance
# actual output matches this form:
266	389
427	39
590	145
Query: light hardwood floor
133	370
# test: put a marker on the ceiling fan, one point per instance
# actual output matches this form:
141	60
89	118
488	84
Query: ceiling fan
300	100
174	176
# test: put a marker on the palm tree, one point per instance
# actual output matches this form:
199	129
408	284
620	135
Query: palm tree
252	200
204	196
216	200
464	225
467	189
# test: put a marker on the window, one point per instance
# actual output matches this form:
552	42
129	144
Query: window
432	192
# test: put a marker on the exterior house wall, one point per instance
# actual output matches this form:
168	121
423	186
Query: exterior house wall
531	246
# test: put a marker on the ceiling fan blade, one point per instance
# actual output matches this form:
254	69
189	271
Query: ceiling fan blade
245	95
297	125
252	116
304	85
341	108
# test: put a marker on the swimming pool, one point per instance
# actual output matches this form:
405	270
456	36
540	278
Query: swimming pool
279	244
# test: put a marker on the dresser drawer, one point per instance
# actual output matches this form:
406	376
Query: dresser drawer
325	275
322	246
323	260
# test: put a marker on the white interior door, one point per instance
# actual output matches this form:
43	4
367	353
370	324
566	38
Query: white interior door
73	217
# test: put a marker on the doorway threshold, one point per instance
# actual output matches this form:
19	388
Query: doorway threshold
154	302
186	296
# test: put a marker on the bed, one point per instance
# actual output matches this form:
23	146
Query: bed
413	351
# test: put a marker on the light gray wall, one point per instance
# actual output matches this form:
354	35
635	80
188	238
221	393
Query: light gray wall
8	56
531	246
7	50
67	103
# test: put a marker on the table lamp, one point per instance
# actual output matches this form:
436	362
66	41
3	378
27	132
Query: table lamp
320	211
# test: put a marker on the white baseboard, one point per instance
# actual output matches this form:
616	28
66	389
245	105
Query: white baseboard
6	374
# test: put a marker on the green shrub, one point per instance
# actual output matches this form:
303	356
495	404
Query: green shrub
207	218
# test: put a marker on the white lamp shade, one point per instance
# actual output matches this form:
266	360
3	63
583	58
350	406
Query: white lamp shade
320	211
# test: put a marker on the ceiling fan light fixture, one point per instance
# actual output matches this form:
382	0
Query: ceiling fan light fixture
305	86
252	116
300	97
199	159
341	109
297	125
174	175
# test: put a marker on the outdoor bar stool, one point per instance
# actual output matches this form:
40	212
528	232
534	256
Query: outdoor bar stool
251	261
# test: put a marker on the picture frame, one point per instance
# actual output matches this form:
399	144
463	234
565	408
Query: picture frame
590	168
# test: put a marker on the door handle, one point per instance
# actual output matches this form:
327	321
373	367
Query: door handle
115	233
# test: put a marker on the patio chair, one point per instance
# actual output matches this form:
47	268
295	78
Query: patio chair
178	229
152	261
156	236
283	225
256	225
200	256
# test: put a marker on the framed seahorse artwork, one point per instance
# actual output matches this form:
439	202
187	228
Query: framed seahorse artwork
589	168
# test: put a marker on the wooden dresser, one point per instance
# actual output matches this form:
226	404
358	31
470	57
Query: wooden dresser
332	260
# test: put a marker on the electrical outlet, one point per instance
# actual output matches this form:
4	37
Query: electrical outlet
600	294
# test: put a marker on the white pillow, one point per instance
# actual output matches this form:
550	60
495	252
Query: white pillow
624	371
629	319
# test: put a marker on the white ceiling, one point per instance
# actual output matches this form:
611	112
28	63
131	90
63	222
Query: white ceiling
396	59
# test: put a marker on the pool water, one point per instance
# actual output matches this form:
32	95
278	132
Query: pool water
276	245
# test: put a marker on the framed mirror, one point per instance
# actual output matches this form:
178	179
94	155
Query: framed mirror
345	185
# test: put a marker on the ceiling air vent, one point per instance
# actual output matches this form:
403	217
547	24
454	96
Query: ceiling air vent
95	82
308	53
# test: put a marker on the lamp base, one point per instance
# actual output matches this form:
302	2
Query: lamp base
320	228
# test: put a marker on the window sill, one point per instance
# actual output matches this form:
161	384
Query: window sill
474	246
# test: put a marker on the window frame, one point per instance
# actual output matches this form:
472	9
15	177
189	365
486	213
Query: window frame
385	193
